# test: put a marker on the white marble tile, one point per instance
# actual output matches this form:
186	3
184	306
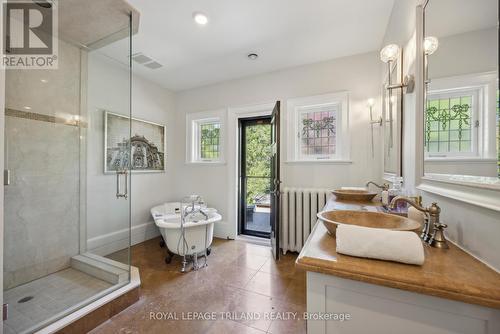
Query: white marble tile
52	295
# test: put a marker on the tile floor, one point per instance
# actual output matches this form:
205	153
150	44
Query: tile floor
51	294
241	277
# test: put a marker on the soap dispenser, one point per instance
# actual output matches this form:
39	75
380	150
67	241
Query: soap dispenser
396	189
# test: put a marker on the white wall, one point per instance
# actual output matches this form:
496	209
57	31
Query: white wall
107	217
453	59
360	75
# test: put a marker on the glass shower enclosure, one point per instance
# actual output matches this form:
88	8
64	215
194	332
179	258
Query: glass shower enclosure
64	212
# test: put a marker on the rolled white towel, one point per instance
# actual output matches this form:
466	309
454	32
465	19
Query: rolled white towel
352	188
376	243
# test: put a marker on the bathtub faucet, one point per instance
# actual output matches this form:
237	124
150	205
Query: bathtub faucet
194	199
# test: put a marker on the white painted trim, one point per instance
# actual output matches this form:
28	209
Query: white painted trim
205	163
469	193
331	294
254	240
191	147
112	242
418	140
475	160
482	182
292	125
135	281
483	87
321	161
223	230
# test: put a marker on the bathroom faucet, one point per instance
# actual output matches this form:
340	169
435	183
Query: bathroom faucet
432	232
384	186
193	210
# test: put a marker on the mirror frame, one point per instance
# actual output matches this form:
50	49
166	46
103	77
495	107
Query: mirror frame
475	190
398	68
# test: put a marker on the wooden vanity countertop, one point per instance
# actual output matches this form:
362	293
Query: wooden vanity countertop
447	273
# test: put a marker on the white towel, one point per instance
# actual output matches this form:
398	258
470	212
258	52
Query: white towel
376	243
352	188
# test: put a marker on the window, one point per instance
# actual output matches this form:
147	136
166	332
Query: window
451	123
319	127
205	137
318	134
209	140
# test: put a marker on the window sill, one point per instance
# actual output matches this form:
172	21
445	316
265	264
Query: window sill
460	159
477	191
321	161
206	163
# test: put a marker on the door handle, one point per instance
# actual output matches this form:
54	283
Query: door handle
6	177
119	192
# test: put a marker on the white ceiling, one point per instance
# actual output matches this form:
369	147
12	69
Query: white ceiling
285	33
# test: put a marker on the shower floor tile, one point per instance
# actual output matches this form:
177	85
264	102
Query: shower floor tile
51	294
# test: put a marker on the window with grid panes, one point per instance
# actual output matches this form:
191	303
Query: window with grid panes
318	130
209	140
450	124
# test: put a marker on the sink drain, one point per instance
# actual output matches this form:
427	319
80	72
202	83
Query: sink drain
25	299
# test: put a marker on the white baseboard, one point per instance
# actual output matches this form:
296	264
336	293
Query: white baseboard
112	242
224	230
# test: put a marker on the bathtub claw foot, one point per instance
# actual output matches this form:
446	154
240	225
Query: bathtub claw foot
184	263
195	262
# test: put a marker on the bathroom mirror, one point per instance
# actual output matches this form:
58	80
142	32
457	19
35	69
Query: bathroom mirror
392	122
461	109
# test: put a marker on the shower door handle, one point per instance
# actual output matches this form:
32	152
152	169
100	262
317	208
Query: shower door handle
6	177
119	192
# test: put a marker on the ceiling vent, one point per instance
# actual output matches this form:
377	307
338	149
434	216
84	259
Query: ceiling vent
146	61
153	65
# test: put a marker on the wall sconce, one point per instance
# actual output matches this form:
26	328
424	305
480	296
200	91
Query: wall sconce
378	121
371	103
388	55
431	44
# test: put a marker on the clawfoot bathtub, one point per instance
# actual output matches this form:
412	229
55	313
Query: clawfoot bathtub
198	230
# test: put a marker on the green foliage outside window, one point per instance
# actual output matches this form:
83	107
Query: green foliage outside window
209	140
258	161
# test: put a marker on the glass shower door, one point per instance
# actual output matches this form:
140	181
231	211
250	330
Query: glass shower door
67	201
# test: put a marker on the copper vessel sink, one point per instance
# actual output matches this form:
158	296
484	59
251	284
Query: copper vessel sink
354	195
367	219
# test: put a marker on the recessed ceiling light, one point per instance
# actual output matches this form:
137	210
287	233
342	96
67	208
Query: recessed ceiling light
200	18
252	56
44	80
27	108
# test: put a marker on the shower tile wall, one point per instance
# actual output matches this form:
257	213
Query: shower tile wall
42	203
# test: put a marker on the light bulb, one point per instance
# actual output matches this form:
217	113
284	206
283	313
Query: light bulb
200	18
431	44
389	53
370	102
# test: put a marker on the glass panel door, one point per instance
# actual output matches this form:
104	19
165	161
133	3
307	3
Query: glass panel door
255	176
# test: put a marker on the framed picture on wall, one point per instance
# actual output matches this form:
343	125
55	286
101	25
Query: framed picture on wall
144	144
